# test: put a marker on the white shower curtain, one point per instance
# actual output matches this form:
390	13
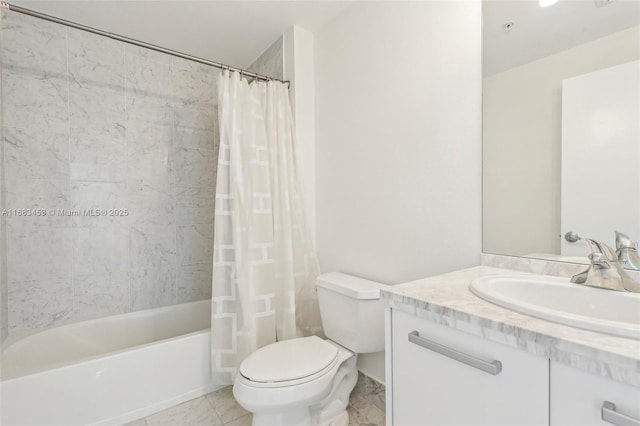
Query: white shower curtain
264	263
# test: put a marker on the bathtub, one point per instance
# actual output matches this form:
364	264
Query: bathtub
107	371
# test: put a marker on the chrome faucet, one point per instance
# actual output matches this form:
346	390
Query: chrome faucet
627	251
605	271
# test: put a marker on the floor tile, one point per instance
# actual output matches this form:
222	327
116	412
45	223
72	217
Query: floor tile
241	421
364	413
225	405
221	408
139	422
191	413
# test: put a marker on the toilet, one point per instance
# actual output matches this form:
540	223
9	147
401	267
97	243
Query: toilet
308	380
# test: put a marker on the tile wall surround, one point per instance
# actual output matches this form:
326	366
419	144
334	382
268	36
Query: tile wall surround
93	123
4	311
4	307
271	61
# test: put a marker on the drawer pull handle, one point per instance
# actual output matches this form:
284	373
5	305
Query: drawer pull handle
492	367
610	415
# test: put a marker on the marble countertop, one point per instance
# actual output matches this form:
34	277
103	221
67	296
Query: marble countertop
446	299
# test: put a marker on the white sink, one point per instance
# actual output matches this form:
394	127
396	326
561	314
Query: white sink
558	300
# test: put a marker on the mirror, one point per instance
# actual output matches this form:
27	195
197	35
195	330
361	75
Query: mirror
561	134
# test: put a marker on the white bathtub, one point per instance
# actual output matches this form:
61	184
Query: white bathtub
107	371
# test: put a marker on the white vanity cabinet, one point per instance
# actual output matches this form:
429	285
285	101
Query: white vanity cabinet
578	398
442	376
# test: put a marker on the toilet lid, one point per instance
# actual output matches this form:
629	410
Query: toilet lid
288	360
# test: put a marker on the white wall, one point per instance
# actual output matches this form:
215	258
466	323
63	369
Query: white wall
601	131
398	141
298	69
522	142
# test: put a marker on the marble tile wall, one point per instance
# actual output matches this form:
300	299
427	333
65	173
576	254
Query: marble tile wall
4	307
4	318
271	61
93	123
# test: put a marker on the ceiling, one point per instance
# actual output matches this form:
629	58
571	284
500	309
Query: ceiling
539	32
236	32
230	32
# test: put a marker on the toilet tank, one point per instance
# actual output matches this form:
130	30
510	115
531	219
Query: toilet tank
352	312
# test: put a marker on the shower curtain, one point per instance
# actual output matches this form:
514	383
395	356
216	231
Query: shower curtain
264	263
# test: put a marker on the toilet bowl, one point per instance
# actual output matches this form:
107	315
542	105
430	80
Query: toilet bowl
308	380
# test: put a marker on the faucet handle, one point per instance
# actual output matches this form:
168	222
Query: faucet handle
627	251
599	259
571	237
602	248
623	241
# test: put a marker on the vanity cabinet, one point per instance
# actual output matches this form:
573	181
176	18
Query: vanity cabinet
442	376
577	399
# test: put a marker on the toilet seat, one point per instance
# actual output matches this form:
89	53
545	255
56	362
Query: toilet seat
289	362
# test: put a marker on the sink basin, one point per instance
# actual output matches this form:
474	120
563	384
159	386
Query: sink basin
556	299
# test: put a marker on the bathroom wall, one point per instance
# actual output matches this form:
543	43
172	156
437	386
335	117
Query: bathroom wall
398	142
397	139
92	123
4	311
271	61
527	135
299	70
4	297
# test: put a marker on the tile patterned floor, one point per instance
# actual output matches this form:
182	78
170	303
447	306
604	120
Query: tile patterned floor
220	408
364	413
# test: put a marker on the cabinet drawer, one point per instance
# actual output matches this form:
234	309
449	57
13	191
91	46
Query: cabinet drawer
448	377
577	398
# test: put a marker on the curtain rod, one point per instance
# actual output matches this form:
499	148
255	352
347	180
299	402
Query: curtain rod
134	42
